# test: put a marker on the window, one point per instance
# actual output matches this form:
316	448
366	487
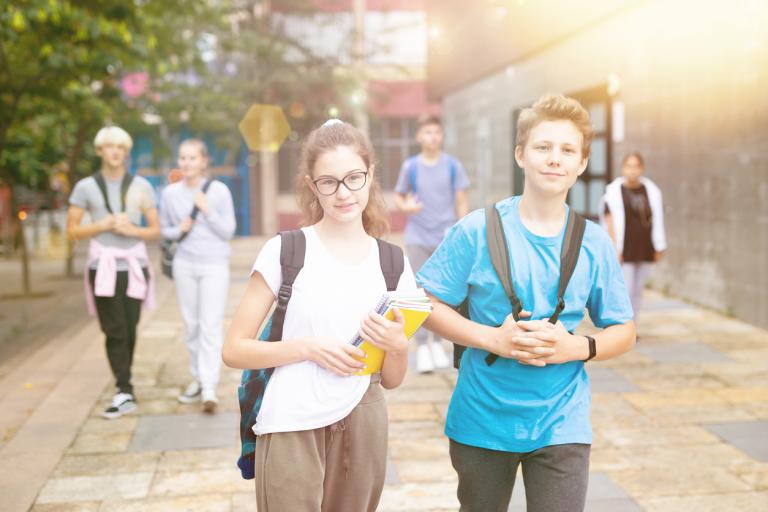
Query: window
394	140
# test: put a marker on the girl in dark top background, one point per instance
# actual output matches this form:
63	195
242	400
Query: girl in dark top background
632	212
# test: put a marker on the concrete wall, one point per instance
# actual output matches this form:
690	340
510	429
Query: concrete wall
692	80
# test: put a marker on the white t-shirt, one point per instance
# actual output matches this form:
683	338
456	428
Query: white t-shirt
329	299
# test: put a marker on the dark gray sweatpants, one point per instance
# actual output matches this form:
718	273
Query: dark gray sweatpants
555	477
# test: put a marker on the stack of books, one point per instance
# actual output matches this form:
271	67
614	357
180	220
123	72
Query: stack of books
415	307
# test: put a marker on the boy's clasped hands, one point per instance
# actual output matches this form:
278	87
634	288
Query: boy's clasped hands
537	342
118	223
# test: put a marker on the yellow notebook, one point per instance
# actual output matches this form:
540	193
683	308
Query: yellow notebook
414	314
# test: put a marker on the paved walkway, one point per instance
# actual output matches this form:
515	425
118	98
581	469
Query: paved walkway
680	424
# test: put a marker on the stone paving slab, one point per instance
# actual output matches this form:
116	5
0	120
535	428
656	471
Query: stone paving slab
751	437
184	432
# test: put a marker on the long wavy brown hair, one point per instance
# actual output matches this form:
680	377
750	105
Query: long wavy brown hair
327	138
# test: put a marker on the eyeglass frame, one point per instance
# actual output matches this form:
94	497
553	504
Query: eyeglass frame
340	181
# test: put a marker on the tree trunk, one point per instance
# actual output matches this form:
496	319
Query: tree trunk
74	158
21	237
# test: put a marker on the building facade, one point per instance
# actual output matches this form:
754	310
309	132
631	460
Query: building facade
681	82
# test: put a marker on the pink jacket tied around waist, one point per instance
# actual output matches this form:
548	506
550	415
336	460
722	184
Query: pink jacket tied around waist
106	274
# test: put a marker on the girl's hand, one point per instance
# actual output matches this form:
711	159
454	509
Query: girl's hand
201	201
338	357
186	225
388	335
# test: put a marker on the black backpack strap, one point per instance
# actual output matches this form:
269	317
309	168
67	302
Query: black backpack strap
195	210
392	263
569	256
499	252
124	186
293	246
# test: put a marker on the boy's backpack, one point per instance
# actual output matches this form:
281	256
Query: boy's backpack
254	382
499	252
413	169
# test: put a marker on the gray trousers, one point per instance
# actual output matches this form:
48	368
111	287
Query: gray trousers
555	477
417	256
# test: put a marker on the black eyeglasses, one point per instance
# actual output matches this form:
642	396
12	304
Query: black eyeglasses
328	185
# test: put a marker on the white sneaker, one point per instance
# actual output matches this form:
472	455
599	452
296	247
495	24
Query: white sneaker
209	401
192	394
424	362
122	403
439	357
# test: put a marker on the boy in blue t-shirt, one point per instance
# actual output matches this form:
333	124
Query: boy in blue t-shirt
431	190
531	406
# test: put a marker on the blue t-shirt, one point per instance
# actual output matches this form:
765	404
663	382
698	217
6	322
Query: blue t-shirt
436	190
509	406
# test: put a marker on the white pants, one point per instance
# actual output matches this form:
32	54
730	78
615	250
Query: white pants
635	276
202	294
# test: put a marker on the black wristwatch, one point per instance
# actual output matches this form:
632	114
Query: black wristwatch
592	348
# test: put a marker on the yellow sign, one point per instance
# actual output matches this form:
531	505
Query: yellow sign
264	128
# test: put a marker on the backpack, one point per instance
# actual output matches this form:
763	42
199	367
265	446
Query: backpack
413	169
499	252
253	383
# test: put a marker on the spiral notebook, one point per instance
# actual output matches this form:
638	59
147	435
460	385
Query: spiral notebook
415	307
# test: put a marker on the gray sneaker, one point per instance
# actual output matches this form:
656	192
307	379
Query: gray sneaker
122	403
192	394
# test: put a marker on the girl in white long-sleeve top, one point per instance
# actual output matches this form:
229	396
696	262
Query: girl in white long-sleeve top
633	214
200	266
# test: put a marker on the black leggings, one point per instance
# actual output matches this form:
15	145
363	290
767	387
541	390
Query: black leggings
555	477
118	317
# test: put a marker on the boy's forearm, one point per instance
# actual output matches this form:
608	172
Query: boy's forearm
82	231
447	323
615	340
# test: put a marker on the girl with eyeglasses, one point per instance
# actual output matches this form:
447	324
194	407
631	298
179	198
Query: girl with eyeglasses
322	429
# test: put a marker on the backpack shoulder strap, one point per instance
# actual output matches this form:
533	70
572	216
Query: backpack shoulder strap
392	263
195	209
124	186
99	179
453	166
502	265
569	256
499	252
293	246
413	169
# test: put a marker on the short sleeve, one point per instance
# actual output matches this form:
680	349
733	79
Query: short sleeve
462	180
79	196
402	186
147	196
608	302
446	273
268	264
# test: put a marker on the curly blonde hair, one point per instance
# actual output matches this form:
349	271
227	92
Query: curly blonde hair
327	138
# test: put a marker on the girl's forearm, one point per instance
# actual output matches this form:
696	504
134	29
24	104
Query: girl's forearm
247	353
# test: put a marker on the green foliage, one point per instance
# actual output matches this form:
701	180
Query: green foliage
61	62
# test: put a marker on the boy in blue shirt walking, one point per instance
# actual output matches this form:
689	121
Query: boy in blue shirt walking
431	190
531	406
